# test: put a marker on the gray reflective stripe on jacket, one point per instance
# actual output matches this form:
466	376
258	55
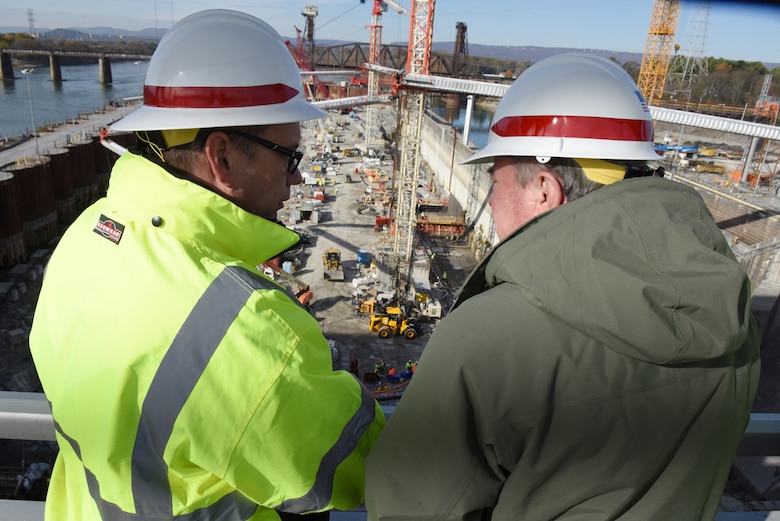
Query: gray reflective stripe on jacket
180	369
323	485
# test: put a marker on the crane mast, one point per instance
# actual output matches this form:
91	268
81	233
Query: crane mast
374	47
374	58
413	111
658	50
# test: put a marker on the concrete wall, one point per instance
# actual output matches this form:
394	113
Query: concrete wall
468	184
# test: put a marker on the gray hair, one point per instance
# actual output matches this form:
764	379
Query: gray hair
569	173
183	156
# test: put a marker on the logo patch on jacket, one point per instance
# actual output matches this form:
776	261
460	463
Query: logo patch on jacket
109	229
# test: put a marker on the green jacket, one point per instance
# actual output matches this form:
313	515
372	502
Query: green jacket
600	364
181	380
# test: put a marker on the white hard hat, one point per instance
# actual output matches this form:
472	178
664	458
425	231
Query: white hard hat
220	68
573	105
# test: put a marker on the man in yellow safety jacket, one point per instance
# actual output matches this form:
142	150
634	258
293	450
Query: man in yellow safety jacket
183	383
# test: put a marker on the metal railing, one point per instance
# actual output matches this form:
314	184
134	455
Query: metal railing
26	416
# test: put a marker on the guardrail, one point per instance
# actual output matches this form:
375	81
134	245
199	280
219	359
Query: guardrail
26	416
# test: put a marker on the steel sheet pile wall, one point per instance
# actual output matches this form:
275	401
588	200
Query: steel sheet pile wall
85	185
126	139
36	199
39	209
65	200
104	160
12	247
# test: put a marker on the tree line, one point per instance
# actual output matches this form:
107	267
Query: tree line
727	82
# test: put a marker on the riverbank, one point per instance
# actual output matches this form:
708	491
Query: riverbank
75	130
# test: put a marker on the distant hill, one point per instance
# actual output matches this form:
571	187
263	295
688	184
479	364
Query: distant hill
98	34
530	53
501	52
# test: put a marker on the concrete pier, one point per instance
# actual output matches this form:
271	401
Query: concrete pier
55	69
6	67
104	65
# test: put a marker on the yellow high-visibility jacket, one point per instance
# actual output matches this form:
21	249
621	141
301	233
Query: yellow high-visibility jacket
183	383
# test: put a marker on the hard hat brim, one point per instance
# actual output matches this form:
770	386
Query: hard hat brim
157	118
569	147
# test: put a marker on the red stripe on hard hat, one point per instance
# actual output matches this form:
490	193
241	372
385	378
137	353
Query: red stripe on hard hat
575	127
217	97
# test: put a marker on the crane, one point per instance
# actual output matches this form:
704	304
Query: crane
374	50
460	57
412	103
658	50
303	52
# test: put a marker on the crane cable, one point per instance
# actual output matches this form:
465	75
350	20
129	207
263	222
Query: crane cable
339	16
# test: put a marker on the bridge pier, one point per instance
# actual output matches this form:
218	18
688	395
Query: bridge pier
104	65
6	67
55	69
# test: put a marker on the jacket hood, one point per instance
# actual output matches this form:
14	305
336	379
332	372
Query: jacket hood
640	266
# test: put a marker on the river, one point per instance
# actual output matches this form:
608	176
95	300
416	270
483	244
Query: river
480	121
80	92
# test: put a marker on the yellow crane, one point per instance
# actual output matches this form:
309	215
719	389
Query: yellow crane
658	50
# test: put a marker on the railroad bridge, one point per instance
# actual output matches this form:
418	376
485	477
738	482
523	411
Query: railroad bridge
350	56
104	61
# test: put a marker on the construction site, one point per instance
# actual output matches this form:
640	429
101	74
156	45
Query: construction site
390	223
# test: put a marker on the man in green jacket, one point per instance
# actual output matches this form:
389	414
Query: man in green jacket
601	362
183	383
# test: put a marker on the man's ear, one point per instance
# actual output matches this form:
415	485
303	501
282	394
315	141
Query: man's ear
217	150
551	191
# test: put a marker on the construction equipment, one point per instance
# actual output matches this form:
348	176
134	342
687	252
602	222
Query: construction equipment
301	291
658	50
374	49
430	308
365	306
392	321
331	261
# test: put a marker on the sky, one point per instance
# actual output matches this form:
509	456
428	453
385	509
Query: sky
736	30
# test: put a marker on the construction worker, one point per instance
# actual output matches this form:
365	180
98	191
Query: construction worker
183	383
601	360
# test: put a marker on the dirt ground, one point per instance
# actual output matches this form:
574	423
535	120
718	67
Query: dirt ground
347	222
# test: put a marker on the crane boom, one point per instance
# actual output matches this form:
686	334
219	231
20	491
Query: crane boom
398	7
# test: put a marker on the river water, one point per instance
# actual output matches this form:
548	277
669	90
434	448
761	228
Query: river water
80	92
480	122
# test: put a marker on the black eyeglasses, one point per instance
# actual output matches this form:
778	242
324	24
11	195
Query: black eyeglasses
294	155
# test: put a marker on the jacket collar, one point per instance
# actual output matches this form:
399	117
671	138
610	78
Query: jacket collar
141	190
